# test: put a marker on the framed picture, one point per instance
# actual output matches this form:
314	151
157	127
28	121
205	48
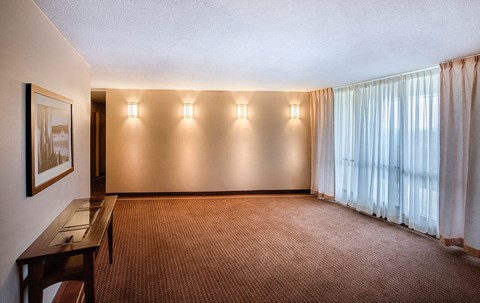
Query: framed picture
49	138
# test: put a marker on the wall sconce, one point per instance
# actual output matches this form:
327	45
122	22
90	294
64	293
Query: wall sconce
242	111
188	110
295	111
132	110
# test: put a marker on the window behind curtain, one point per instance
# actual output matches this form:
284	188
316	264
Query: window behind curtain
387	148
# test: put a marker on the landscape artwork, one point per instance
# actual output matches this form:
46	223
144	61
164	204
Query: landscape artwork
49	138
53	133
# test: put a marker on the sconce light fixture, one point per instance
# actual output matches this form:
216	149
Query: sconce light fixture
242	111
295	111
132	110
188	110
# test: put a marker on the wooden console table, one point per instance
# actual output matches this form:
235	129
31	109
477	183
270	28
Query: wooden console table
65	250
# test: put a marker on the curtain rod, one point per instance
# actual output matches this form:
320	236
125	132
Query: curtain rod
388	77
455	59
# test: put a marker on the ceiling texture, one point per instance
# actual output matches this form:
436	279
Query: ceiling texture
266	45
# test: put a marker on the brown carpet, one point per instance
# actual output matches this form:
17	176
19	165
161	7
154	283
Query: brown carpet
274	249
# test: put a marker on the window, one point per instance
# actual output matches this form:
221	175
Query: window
387	148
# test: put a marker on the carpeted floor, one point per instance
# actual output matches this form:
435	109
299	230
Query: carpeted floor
274	249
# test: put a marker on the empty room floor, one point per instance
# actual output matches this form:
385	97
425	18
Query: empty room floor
286	248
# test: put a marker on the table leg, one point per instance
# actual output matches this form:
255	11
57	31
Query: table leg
110	240
35	272
88	277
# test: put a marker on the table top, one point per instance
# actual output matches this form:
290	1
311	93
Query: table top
42	248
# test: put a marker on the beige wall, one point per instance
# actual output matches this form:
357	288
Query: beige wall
161	152
33	51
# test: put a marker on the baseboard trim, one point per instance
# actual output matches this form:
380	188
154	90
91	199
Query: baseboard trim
215	193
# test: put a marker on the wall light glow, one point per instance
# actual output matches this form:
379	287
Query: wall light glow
188	110
132	110
295	111
242	111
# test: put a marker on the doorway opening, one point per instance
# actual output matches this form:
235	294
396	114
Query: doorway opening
98	143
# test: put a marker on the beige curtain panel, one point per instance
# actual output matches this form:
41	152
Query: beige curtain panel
460	154
322	144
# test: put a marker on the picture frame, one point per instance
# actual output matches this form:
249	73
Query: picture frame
49	138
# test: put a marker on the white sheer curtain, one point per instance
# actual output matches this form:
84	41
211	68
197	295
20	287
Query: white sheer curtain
460	150
387	148
323	163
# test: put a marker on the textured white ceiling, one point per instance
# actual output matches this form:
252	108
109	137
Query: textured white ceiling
262	44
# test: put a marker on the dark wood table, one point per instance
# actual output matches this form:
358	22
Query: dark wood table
66	249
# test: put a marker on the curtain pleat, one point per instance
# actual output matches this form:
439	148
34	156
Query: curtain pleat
460	154
322	144
387	148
